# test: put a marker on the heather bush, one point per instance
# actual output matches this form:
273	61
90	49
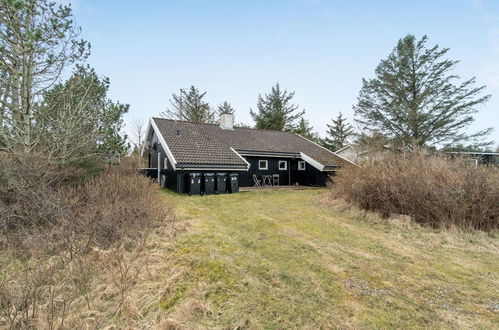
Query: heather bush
432	189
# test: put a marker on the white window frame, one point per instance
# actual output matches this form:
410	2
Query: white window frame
165	163
285	165
302	165
266	167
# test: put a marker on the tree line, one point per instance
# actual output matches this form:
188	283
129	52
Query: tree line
414	100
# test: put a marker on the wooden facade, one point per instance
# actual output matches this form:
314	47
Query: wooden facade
291	175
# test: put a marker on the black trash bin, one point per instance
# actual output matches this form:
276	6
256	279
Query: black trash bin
221	183
193	184
209	183
233	183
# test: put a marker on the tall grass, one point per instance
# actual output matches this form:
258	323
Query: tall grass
432	189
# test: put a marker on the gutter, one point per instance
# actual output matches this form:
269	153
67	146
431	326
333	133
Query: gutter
211	167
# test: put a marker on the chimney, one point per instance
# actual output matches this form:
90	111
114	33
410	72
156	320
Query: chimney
226	121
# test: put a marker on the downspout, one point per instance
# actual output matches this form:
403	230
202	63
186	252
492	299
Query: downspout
159	167
289	172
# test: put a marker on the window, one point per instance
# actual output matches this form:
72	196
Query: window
283	165
301	165
263	165
165	163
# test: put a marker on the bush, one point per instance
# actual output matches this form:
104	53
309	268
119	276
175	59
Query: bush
431	189
61	237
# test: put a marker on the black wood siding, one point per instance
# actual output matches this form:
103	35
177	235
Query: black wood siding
175	180
246	178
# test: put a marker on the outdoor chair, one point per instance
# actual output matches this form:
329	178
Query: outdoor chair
275	179
256	181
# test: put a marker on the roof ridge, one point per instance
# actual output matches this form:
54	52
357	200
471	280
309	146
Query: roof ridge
235	127
184	121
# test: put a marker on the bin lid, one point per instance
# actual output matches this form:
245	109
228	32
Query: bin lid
209	174
234	174
221	174
194	174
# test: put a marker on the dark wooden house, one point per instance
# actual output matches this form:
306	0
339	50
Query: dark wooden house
177	148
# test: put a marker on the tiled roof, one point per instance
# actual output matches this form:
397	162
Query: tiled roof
208	144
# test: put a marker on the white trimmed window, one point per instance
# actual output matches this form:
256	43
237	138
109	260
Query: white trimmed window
301	165
165	163
283	165
263	164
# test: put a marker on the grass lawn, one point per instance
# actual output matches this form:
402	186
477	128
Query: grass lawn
284	259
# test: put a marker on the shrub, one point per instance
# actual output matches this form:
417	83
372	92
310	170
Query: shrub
61	237
431	189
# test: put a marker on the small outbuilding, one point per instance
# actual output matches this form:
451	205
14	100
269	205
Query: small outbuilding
175	149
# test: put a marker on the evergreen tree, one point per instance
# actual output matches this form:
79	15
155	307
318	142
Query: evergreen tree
225	108
338	133
77	120
417	101
372	142
306	130
38	40
242	125
190	106
275	110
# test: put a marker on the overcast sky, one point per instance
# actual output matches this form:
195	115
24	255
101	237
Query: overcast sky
235	50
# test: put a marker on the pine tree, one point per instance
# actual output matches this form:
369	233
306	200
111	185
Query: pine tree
416	100
275	110
338	133
306	130
38	41
225	108
76	119
190	106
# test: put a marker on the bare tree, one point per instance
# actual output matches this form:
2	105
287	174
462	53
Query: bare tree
138	131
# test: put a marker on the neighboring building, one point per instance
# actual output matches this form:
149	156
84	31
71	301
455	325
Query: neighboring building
178	148
477	157
358	154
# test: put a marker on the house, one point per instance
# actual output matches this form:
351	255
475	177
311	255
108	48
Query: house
360	154
477	157
174	149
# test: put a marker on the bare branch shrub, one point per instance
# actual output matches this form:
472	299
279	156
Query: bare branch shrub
59	239
431	189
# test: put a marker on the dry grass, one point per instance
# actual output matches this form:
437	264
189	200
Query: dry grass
252	260
431	189
75	257
290	259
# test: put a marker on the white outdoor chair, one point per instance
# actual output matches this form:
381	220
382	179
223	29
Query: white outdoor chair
275	179
256	181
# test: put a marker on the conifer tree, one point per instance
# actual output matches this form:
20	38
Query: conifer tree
225	108
306	130
38	41
416	100
190	105
276	111
338	133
